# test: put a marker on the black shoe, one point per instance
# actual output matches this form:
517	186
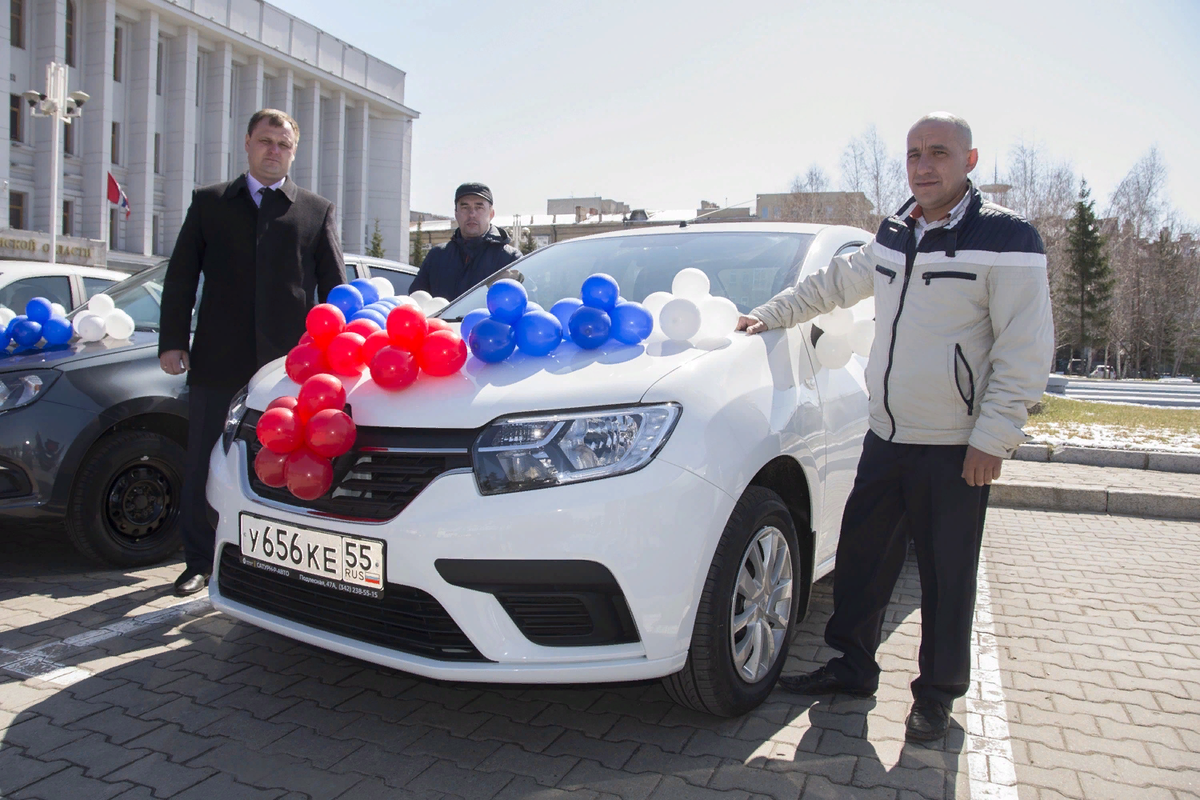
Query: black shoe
928	720
822	681
190	582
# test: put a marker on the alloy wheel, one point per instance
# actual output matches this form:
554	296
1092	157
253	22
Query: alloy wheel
762	604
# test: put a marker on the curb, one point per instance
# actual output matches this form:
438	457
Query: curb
1093	500
1098	457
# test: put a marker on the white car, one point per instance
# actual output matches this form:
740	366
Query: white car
68	285
625	513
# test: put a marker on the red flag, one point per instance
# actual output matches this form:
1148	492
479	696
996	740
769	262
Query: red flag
116	195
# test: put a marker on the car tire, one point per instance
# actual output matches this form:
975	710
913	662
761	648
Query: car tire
720	676
124	504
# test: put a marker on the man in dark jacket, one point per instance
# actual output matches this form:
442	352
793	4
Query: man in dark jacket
265	247
476	250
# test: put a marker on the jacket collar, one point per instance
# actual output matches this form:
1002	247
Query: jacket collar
238	184
905	218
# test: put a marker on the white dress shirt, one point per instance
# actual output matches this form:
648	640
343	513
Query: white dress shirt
256	188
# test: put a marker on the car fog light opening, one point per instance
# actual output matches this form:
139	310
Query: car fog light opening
512	455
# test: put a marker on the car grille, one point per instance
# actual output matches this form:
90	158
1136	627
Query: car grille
379	477
406	619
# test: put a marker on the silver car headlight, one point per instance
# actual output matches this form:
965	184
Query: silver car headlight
22	388
519	453
233	418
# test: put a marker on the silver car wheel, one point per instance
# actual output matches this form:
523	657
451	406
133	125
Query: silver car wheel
762	604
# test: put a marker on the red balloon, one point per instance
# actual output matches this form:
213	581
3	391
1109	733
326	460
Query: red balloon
407	327
280	430
362	326
442	353
269	467
375	342
330	433
393	368
304	361
285	401
308	475
324	322
319	393
345	354
305	338
438	324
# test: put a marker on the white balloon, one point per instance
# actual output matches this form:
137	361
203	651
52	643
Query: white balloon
679	319
434	305
6	315
405	300
384	287
90	327
862	336
655	301
833	351
101	304
690	283
718	317
837	322
119	325
58	309
421	297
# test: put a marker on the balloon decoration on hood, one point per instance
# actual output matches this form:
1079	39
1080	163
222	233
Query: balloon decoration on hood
689	313
42	324
301	435
102	319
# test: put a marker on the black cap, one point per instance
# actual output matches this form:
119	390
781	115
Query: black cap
473	188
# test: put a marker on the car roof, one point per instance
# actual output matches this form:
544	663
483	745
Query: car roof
35	268
371	261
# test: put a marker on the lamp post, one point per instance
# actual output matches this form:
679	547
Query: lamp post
56	105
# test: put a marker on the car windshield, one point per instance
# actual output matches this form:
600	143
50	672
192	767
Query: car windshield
748	267
141	298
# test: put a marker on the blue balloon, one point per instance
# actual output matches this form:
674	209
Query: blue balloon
346	297
390	302
369	293
5	340
27	333
12	323
600	291
506	300
39	310
380	307
590	327
491	340
563	309
57	330
472	319
538	333
374	316
631	323
532	306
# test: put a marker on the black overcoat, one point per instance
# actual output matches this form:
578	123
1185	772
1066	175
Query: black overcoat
262	269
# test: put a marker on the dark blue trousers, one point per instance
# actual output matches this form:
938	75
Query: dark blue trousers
207	408
903	491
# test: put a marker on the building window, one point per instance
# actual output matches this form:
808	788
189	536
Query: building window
154	228
70	49
117	54
116	143
158	154
16	210
16	120
158	71
68	226
112	228
69	139
17	23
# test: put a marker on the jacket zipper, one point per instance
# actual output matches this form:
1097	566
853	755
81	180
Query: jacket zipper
910	257
959	356
889	273
929	276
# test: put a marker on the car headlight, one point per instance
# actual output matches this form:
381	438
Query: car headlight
22	388
534	452
237	410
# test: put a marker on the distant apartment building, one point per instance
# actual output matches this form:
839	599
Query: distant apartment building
830	208
172	87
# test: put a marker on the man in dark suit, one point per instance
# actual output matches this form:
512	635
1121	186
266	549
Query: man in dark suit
476	250
265	247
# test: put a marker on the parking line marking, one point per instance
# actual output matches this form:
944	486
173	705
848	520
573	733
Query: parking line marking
990	765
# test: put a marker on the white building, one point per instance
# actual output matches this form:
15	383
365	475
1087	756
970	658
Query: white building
172	87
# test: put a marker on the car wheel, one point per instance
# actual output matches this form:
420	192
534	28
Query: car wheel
747	613
124	505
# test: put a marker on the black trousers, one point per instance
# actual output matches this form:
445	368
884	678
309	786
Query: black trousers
207	408
904	490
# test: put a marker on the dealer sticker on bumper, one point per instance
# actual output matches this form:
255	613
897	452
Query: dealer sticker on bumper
333	560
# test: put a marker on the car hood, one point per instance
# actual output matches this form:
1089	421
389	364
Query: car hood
76	354
569	378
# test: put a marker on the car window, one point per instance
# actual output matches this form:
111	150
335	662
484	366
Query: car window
55	288
141	297
352	273
400	280
94	286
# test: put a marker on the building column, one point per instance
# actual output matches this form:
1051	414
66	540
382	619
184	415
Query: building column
179	145
389	144
308	116
218	100
49	44
281	97
333	154
142	101
6	148
355	225
254	81
97	118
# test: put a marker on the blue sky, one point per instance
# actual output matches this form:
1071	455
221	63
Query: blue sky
662	104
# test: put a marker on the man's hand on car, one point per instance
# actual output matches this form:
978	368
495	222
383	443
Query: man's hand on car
980	468
750	324
174	362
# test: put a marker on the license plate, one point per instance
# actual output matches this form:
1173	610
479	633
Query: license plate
334	560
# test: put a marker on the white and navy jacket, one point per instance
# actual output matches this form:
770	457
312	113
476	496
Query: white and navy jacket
964	337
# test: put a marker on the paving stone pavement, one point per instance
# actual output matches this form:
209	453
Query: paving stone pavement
1095	620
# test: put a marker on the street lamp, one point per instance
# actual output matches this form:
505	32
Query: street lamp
56	105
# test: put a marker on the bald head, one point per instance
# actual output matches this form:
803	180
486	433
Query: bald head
961	128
